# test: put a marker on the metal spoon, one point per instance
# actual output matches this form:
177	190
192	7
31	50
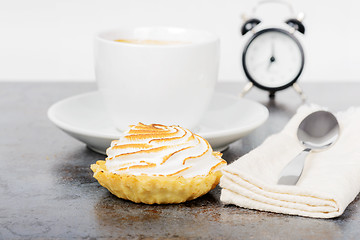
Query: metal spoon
317	131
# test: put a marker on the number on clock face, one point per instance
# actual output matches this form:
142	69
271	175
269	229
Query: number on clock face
273	58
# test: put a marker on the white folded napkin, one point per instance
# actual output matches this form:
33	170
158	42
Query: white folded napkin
329	182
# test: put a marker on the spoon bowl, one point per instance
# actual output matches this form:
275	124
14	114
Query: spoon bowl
318	131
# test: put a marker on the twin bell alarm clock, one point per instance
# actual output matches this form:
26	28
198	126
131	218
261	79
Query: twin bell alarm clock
273	57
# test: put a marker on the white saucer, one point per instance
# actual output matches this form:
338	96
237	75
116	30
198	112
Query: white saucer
228	119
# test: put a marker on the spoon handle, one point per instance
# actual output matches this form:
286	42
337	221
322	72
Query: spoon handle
292	172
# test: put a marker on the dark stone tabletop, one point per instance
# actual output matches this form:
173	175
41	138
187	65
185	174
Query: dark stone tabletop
47	190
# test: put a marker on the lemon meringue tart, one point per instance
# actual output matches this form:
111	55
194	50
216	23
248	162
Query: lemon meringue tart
159	164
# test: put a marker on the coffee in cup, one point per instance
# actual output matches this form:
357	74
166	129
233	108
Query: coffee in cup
149	41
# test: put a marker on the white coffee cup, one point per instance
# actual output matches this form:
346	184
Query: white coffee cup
170	81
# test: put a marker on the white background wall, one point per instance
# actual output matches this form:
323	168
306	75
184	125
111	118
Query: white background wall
52	40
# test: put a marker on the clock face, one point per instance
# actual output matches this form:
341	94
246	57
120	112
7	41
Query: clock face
273	59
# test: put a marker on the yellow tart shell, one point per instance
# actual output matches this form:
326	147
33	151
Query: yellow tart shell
154	189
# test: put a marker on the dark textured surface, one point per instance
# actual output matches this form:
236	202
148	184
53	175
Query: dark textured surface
47	190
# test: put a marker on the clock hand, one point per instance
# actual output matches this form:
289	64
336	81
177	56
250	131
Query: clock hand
272	49
272	58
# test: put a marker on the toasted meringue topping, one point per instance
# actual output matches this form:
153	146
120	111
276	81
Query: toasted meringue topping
159	150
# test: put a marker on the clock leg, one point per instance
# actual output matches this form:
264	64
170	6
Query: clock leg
298	89
246	89
272	95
